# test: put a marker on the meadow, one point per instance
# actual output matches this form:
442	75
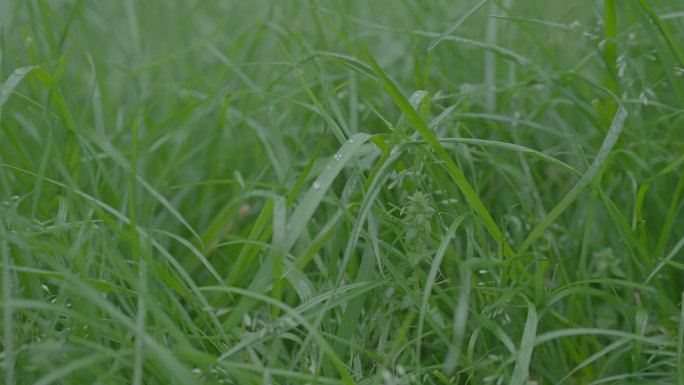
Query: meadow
341	192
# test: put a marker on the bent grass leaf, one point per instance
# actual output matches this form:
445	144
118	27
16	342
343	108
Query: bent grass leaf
588	177
11	83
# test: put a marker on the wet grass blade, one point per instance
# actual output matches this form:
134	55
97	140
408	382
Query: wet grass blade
11	83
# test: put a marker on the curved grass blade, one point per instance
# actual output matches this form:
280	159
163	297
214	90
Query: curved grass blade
71	367
664	261
680	344
11	83
461	20
196	252
515	147
596	356
550	336
300	217
589	177
432	276
524	356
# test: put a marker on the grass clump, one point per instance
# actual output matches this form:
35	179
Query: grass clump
341	192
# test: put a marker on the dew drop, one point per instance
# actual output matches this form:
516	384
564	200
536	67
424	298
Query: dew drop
327	167
338	157
23	71
351	140
317	185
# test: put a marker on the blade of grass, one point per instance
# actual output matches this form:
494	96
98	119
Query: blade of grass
336	129
8	312
141	311
2	48
432	276
460	316
433	44
524	353
680	344
140	325
350	317
561	333
672	212
514	147
11	83
595	357
72	366
610	47
277	252
673	253
588	177
490	61
320	186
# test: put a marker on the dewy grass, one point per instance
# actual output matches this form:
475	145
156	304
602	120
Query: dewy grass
341	192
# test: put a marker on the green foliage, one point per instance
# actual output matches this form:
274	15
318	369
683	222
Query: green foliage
341	192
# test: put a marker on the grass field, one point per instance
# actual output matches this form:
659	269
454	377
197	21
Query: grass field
342	192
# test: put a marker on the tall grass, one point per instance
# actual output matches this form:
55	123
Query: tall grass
341	192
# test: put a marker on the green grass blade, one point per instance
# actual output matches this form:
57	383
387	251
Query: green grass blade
312	198
432	276
11	83
680	344
433	44
595	357
524	356
562	333
56	375
7	312
588	177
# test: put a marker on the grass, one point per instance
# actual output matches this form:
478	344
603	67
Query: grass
341	192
